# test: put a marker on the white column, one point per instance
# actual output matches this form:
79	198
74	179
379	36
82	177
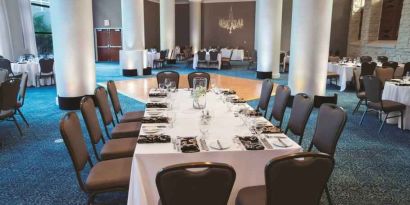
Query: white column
269	25
195	24
73	42
167	24
133	56
309	51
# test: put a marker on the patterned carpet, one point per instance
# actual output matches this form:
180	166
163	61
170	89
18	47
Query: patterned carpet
370	168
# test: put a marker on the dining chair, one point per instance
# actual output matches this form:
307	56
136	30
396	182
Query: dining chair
373	89
121	130
366	59
213	57
384	74
368	68
266	93
360	93
105	176
382	59
291	179
201	56
406	69
200	183
4	75
134	116
111	149
193	75
330	124
226	62
391	64
171	75
253	60
6	64
282	96
22	96
8	101
46	70
159	63
301	109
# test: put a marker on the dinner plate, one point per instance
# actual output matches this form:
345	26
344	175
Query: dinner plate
155	99
280	142
224	144
150	130
154	113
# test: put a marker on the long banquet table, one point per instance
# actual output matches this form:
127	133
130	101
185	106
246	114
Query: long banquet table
149	159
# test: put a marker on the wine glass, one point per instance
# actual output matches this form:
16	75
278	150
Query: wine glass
172	86
162	87
167	83
204	127
171	118
258	128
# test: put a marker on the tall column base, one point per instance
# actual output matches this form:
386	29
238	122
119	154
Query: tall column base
133	62
263	75
70	103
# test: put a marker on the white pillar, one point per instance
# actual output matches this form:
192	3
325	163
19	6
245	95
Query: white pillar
309	51
195	24
133	56
167	24
73	42
269	25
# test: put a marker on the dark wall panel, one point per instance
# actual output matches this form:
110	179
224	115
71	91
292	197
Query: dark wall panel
152	33
182	24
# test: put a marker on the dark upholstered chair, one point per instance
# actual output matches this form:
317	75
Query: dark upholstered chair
253	60
193	75
366	59
201	56
331	121
382	59
105	176
391	64
266	92
159	63
134	116
171	75
291	179
46	70
384	74
301	109
121	130
406	68
8	101
4	75
6	64
318	100
360	94
195	183
279	106
368	68
226	62
22	95
373	89
213	57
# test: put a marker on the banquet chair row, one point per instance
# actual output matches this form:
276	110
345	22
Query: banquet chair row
174	76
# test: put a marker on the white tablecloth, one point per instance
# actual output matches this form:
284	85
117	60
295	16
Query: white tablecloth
237	55
150	158
151	56
32	69
345	72
207	58
399	94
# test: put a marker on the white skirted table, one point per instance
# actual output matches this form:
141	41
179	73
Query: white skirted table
237	54
151	56
207	58
399	93
345	71
149	159
32	69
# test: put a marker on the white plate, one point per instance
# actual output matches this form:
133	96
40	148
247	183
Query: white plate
150	130
154	113
276	142
224	144
155	99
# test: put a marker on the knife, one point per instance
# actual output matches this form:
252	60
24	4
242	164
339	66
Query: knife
219	144
266	143
284	144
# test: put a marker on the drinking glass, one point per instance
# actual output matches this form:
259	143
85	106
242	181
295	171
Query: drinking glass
162	87
172	86
167	82
171	118
258	129
204	127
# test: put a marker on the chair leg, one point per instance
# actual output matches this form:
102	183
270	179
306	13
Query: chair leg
90	200
384	121
401	119
22	116
357	106
17	125
329	199
361	121
300	139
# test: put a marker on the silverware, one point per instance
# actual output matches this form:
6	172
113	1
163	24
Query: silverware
203	145
266	143
275	136
283	143
219	144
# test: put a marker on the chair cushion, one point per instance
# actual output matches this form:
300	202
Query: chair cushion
6	114
255	195
132	116
118	148
332	75
109	174
128	129
361	95
388	106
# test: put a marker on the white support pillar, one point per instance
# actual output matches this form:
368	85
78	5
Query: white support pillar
167	24
73	42
310	39
195	24
268	25
133	56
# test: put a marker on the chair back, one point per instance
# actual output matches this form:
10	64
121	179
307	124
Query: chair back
4	74
384	74
301	109
368	68
281	100
391	64
282	57
213	55
366	59
46	65
112	92
298	178
266	93
201	55
331	121
102	103
319	100
356	78
382	59
171	75
187	53
406	68
195	183
72	135
163	54
193	75
89	113
23	88
6	64
9	90
372	88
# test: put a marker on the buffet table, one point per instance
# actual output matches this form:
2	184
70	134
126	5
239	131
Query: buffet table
149	159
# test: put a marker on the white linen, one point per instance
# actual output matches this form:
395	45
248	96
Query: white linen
26	17
150	158
151	56
237	55
345	72
32	69
6	46
399	94
207	58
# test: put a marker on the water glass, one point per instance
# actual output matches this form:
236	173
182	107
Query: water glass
171	118
204	127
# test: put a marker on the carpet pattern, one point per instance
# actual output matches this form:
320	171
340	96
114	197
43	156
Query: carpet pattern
370	168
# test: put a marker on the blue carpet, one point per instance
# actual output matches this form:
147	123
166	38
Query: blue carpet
370	168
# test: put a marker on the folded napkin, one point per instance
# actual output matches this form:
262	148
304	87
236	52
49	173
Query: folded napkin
403	84
146	139
251	113
159	119
189	145
229	92
158	95
251	143
156	105
238	101
271	130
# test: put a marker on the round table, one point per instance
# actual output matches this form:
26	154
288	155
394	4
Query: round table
32	69
151	56
400	94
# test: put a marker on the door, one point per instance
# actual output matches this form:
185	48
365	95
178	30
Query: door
108	44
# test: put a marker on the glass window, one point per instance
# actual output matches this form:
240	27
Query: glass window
42	26
390	19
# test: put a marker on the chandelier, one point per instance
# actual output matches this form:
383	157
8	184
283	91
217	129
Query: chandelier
231	23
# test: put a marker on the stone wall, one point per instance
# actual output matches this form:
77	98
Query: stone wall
369	44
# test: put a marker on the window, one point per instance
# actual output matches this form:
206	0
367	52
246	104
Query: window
390	19
42	26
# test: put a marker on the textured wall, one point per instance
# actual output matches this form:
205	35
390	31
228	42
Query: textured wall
152	35
182	24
